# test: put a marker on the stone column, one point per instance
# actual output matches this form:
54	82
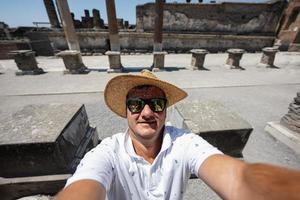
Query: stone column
52	15
234	57
26	62
68	25
96	19
158	60
73	62
112	25
268	57
198	57
158	25
88	20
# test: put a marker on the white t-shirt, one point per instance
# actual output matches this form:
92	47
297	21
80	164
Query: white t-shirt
125	175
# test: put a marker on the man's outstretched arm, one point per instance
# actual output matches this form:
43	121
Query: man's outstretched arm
234	179
81	190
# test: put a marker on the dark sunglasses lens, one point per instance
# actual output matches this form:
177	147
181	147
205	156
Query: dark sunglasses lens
158	105
135	105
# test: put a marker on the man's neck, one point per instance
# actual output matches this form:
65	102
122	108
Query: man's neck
147	150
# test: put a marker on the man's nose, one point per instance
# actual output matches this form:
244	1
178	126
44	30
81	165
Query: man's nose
147	111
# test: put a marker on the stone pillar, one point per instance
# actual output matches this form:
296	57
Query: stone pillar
198	57
291	120
73	62
234	57
120	23
158	60
126	24
26	62
112	25
68	25
114	60
268	57
52	15
96	19
158	25
88	20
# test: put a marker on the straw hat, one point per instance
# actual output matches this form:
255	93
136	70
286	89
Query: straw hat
117	88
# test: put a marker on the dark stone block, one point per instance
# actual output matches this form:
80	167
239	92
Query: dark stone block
44	139
218	125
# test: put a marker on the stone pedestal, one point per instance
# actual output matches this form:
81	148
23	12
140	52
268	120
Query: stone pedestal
114	59
26	62
288	129
40	145
159	60
73	61
214	122
234	57
267	59
198	57
44	140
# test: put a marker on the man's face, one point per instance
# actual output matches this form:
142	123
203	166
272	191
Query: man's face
147	124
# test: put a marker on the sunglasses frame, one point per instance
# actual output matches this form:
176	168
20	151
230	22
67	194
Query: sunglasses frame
148	102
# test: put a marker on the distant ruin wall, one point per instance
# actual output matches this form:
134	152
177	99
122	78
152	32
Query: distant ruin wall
172	42
225	18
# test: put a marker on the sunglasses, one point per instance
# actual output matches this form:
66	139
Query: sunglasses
136	105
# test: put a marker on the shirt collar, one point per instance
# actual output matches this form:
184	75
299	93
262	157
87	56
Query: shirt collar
167	142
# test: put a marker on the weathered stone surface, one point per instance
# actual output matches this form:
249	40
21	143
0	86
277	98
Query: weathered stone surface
73	61
114	59
12	188
44	139
214	122
292	119
198	57
159	60
234	18
234	57
284	134
268	57
26	62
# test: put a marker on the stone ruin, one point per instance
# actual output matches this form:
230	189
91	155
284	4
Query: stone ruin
197	26
292	118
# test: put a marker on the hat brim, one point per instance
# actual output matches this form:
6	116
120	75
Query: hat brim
117	88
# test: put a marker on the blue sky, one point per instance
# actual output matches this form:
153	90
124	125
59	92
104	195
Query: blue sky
24	12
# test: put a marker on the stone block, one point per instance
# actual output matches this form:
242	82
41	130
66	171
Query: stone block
284	135
198	57
214	122
234	57
26	62
13	188
114	58
73	61
44	139
268	57
159	60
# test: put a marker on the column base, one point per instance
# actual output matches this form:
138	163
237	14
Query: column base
114	59
120	70
82	70
263	65
73	62
233	67
30	72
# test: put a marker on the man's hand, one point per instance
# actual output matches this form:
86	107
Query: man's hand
83	189
234	179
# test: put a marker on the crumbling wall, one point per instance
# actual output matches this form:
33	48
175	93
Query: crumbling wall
98	41
225	18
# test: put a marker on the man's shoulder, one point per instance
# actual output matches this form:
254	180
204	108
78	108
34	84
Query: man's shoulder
179	133
112	142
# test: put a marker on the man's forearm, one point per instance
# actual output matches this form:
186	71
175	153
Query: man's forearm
81	190
270	182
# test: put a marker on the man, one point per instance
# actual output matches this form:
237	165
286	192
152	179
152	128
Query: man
153	161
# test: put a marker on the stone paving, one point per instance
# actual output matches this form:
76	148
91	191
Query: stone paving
257	94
